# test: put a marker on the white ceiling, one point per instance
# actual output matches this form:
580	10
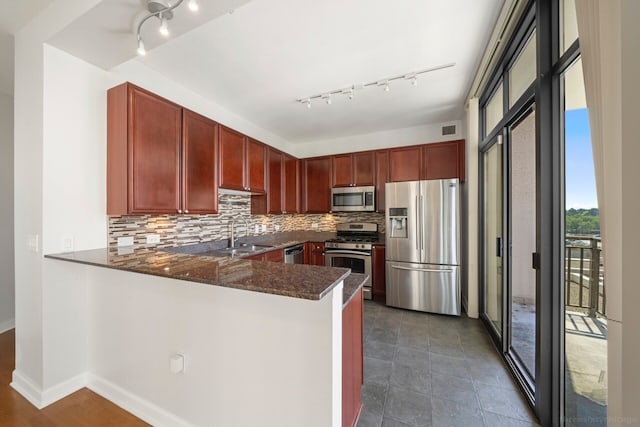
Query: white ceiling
258	60
15	14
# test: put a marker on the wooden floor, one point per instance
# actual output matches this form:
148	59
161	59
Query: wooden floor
82	408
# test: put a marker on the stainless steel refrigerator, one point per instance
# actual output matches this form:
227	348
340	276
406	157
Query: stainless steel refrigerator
423	245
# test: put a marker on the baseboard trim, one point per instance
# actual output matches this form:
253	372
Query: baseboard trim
7	325
130	402
27	388
57	392
41	399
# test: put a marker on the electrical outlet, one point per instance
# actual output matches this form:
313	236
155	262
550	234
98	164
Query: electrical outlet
277	227
125	241
67	244
256	229
264	228
314	225
153	239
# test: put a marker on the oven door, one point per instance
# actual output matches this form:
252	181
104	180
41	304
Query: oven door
358	262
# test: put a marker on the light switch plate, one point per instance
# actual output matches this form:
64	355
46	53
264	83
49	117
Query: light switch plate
256	229
33	242
314	225
264	228
67	244
277	227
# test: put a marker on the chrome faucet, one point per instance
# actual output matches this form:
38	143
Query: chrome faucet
232	237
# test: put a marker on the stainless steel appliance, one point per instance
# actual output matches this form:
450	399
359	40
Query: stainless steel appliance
353	199
423	245
294	254
352	249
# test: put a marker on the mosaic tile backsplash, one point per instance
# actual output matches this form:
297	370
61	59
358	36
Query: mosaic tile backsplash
178	230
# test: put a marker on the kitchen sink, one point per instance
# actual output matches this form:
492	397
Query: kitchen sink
243	249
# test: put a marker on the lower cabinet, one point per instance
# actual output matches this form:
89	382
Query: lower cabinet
314	253
378	279
271	256
352	353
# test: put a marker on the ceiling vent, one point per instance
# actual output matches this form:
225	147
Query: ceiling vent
449	130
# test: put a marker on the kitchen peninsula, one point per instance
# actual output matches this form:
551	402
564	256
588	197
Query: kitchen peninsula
262	342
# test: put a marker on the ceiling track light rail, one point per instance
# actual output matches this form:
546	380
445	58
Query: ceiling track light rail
164	12
349	91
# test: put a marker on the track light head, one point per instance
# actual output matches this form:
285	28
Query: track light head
141	50
164	26
193	5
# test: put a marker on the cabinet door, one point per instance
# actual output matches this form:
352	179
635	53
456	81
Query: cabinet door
317	253
363	168
291	202
232	159
256	161
199	164
382	177
274	195
378	279
404	164
317	185
352	359
443	160
342	169
274	256
154	153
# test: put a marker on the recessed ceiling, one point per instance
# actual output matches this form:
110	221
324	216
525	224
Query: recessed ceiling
257	61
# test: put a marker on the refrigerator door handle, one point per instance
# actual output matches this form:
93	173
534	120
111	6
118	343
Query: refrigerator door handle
426	270
422	239
417	232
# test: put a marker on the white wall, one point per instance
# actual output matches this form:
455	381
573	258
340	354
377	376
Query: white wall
7	311
383	139
472	219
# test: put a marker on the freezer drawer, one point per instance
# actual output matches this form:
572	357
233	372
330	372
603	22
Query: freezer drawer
424	287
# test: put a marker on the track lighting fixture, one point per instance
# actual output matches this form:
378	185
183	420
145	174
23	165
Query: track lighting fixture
383	83
162	10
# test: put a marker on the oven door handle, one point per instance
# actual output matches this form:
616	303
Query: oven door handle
346	252
426	270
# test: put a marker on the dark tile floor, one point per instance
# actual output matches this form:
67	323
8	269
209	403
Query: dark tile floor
431	370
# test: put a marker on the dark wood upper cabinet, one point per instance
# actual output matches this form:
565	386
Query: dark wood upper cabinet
316	187
404	164
291	184
353	169
199	164
342	170
382	177
274	193
443	160
232	159
363	168
255	164
242	162
143	152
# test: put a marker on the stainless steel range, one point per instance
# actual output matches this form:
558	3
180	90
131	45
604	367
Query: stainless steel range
352	249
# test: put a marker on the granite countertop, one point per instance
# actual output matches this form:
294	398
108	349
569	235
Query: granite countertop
292	280
352	284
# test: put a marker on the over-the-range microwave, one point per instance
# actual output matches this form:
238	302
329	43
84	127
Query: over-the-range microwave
353	199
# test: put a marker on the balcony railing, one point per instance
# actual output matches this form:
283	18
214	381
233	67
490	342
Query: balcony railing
584	274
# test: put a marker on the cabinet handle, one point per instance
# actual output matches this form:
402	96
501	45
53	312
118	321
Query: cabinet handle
179	210
186	211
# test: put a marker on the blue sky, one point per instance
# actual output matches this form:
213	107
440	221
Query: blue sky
580	176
